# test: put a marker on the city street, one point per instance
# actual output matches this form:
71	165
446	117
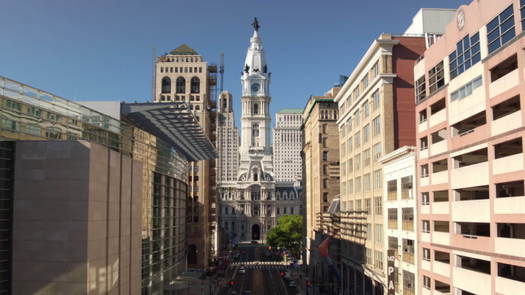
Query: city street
262	275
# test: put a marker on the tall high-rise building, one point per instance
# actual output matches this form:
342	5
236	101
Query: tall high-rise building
469	106
228	158
287	146
320	162
227	140
376	116
182	75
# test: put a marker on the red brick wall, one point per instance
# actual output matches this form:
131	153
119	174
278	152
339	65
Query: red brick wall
404	56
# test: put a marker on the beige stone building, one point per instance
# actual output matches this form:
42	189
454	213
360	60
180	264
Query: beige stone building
320	161
184	76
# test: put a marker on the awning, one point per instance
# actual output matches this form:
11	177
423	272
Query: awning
175	124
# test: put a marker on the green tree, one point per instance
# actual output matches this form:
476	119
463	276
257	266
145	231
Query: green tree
287	234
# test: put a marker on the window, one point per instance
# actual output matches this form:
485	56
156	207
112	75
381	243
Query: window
420	89
500	30
53	132
34	111
368	204
255	109
366	158
392	218
13	105
195	85
357	139
436	78
506	107
375	70
466	89
366	109
423	143
426	226
376	126
358	188
366	133
425	198
349	145
366	182
378	259
378	205
357	162
406	187
522	12
376	100
8	124
166	85
423	116
376	150
392	190
426	254
466	55
424	170
180	85
325	156
379	233
33	129
378	182
427	282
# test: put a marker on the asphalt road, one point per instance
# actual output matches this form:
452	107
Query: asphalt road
260	279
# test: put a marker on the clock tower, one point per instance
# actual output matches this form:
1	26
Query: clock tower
255	80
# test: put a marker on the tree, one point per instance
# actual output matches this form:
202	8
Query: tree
287	234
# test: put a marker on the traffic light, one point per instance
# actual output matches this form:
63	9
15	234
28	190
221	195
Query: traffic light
281	273
231	283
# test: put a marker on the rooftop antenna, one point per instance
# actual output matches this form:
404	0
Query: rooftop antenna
221	72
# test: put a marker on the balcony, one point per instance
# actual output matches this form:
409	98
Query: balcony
510	198
510	246
511	205
441	268
472	210
506	80
508	286
438	148
472	281
439	177
438	117
422	126
426	265
468	176
508	164
442	238
440	208
506	123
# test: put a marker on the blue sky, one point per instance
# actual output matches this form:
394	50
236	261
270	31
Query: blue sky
102	49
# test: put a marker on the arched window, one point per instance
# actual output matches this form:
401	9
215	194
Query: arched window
166	85
255	109
181	85
195	85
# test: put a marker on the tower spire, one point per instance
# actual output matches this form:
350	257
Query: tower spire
255	24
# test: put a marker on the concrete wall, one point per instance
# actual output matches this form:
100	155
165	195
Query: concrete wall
77	215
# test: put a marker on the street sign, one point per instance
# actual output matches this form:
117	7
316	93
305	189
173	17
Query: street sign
391	271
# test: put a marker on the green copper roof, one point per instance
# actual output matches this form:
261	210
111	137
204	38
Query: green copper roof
291	111
184	50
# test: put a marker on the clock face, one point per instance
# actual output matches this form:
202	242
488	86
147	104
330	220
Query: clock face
460	19
256	87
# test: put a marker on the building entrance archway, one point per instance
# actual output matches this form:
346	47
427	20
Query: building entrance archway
256	232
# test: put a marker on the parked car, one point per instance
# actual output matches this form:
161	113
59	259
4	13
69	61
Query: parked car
242	270
247	292
292	284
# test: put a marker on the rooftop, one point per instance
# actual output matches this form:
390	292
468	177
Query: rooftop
291	111
184	50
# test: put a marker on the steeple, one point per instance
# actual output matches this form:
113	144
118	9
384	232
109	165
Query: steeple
255	77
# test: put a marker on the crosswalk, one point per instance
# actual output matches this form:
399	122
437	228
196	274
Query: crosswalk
260	263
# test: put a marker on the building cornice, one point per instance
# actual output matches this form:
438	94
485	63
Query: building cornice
400	152
376	46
